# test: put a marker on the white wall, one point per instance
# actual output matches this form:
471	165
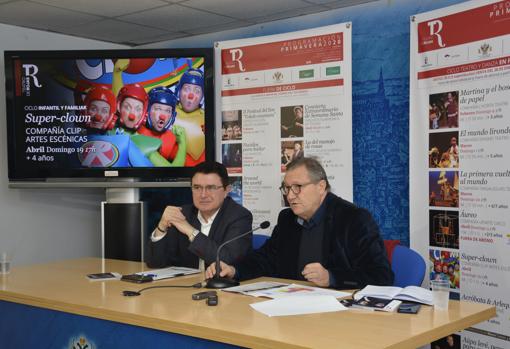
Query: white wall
38	225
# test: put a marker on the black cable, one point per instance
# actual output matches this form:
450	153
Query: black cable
354	293
139	292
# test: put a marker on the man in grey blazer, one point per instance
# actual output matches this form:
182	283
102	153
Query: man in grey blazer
189	236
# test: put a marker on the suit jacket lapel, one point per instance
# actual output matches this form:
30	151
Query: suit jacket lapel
215	227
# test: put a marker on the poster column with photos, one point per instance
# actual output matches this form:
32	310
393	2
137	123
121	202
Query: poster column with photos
460	156
282	97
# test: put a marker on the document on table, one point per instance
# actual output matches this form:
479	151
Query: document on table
279	290
298	305
170	272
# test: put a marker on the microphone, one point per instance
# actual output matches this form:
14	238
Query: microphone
219	282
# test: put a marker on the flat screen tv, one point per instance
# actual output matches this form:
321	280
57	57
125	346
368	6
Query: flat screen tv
142	114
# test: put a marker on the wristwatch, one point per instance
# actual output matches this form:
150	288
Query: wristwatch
194	233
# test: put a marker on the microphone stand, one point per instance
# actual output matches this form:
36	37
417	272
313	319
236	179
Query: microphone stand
219	282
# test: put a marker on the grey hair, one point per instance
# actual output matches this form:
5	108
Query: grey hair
315	170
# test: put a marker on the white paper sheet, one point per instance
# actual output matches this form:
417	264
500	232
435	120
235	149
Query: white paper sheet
297	305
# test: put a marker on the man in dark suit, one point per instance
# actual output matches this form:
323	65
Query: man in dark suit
190	235
321	238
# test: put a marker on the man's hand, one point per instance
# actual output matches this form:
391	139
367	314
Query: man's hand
172	216
227	271
316	273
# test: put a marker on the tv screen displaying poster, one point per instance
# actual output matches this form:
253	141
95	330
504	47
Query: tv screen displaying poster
125	113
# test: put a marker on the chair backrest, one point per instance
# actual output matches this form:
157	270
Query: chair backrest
408	266
258	240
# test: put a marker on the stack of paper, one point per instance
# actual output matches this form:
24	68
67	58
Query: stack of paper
291	299
170	272
279	290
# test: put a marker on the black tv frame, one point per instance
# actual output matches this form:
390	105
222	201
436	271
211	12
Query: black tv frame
101	177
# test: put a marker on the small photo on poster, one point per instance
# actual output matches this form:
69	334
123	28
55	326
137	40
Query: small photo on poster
451	341
444	229
292	121
290	150
444	188
444	110
444	150
236	189
284	202
231	125
444	265
232	157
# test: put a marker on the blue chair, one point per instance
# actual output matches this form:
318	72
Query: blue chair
258	240
408	266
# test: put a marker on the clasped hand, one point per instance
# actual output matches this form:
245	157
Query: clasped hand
172	216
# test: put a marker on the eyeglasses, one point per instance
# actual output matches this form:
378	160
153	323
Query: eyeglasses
295	188
208	188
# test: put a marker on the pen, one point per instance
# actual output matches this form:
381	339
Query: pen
181	268
266	288
172	275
